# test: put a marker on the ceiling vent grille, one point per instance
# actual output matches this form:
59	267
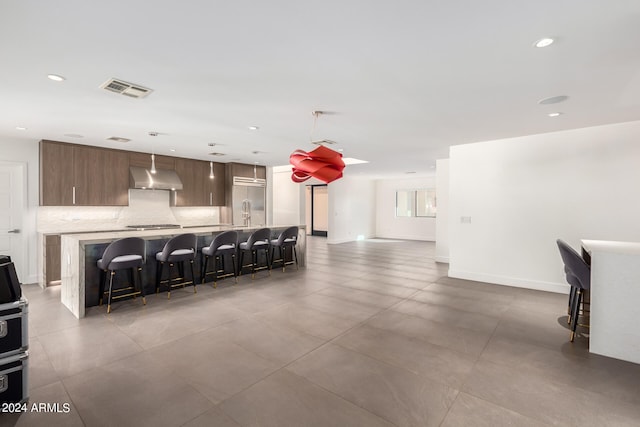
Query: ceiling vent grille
324	142
216	154
125	88
118	139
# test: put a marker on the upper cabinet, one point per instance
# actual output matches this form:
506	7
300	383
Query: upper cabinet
101	177
143	160
246	171
198	188
82	176
56	174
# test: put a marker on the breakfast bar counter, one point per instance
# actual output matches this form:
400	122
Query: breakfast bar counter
615	295
79	253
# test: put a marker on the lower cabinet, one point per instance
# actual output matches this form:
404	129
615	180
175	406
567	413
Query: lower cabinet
52	254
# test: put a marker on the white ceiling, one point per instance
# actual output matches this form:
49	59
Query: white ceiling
405	79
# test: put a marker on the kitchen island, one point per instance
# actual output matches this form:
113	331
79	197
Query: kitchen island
80	275
615	292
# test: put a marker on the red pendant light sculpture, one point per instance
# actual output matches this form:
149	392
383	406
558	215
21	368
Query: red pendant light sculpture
322	163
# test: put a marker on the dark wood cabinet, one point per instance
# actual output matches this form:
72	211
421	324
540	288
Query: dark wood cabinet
52	265
79	175
194	175
56	174
143	160
217	187
101	177
198	188
245	170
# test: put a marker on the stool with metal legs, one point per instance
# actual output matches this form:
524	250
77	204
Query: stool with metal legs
221	245
286	239
122	254
177	251
578	275
258	241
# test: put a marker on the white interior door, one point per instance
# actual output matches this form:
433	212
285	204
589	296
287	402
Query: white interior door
11	215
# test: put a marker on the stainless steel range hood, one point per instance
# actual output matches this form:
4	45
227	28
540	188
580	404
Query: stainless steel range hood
163	179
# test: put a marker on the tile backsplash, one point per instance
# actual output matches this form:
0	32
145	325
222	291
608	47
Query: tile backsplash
145	207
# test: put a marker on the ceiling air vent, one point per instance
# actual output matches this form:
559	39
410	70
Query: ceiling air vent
125	88
216	154
324	142
118	139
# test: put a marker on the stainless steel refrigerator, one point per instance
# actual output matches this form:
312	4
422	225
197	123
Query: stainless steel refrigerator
248	201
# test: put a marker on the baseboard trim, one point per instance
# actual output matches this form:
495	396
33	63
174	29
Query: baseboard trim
510	281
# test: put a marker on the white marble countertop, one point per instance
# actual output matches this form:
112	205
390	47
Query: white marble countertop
109	236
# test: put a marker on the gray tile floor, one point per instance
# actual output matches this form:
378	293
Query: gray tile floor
371	333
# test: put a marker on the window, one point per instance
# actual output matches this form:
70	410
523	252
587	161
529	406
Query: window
416	203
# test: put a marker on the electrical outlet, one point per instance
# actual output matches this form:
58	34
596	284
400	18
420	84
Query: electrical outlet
465	219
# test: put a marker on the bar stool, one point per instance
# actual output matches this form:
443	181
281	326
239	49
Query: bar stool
127	253
287	239
223	244
177	250
578	275
258	241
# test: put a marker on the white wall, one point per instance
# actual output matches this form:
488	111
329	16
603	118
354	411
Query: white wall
26	153
352	209
286	196
389	226
442	219
523	193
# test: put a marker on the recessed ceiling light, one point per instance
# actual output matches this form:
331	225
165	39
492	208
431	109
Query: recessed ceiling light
73	135
21	128
173	150
553	100
253	128
556	114
410	172
55	78
118	139
544	42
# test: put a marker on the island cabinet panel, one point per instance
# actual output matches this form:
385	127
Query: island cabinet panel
56	174
143	160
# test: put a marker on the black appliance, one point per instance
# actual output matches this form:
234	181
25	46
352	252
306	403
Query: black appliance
9	284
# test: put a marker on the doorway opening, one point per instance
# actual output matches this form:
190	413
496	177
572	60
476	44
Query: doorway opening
317	209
